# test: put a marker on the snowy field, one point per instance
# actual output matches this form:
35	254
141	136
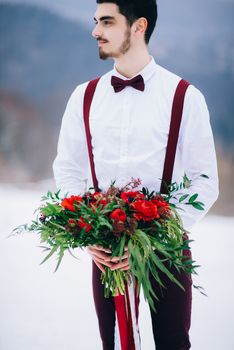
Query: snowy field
42	310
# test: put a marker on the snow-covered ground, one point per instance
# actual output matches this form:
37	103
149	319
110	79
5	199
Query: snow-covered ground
42	310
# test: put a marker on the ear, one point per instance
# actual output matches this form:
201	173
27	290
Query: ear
140	25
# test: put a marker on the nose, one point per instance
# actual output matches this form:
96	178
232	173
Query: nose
96	31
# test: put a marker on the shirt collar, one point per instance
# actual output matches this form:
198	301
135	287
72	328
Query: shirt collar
146	72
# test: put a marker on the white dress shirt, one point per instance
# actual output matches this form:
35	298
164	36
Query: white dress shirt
129	132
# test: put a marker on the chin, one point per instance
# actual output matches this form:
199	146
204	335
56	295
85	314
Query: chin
104	55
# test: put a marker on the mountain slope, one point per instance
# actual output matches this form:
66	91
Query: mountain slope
43	56
42	53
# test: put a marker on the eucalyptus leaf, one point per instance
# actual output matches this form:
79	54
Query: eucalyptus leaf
52	251
193	198
182	198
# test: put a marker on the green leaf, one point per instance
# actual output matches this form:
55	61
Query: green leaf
61	254
200	289
57	195
193	198
163	268
186	181
122	245
45	249
182	198
57	225
53	250
199	206
70	252
205	176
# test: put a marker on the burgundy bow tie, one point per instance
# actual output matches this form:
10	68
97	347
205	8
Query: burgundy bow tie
136	82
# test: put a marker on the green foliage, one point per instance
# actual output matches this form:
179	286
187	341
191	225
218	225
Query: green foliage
154	248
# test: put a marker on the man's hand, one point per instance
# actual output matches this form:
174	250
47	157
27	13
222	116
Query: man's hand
102	257
122	264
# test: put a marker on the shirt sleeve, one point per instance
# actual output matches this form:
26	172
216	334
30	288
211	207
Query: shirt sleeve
71	163
196	145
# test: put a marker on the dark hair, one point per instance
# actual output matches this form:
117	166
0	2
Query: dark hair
134	9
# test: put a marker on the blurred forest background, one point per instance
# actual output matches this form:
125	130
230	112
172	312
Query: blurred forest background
46	49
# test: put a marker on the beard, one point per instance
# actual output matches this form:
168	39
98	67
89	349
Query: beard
124	47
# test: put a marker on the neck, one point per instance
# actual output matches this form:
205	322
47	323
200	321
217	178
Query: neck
132	62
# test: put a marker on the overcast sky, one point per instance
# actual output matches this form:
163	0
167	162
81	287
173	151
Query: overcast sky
84	10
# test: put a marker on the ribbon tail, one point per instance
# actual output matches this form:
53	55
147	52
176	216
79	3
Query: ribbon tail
127	319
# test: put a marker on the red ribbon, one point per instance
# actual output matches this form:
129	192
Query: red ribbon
124	319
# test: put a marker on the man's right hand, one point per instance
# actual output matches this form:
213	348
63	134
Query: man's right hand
101	256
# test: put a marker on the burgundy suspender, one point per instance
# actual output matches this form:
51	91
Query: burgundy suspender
176	116
88	97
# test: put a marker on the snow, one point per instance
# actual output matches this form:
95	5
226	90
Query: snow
42	310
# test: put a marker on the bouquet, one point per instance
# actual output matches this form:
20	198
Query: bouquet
146	223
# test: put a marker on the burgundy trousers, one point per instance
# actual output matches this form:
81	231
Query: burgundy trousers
171	321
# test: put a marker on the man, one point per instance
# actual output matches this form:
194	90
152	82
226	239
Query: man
129	128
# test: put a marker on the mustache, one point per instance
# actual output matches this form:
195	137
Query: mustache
102	39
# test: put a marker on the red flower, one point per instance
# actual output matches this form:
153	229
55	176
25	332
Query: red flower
72	222
164	209
164	212
97	195
100	200
118	215
103	202
129	195
83	224
161	203
145	210
69	203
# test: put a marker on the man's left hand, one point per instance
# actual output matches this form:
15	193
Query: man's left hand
122	264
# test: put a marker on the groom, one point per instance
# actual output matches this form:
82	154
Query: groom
129	123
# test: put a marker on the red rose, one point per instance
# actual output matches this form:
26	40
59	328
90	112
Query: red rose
164	209
160	203
103	202
83	224
118	215
69	203
129	195
145	210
